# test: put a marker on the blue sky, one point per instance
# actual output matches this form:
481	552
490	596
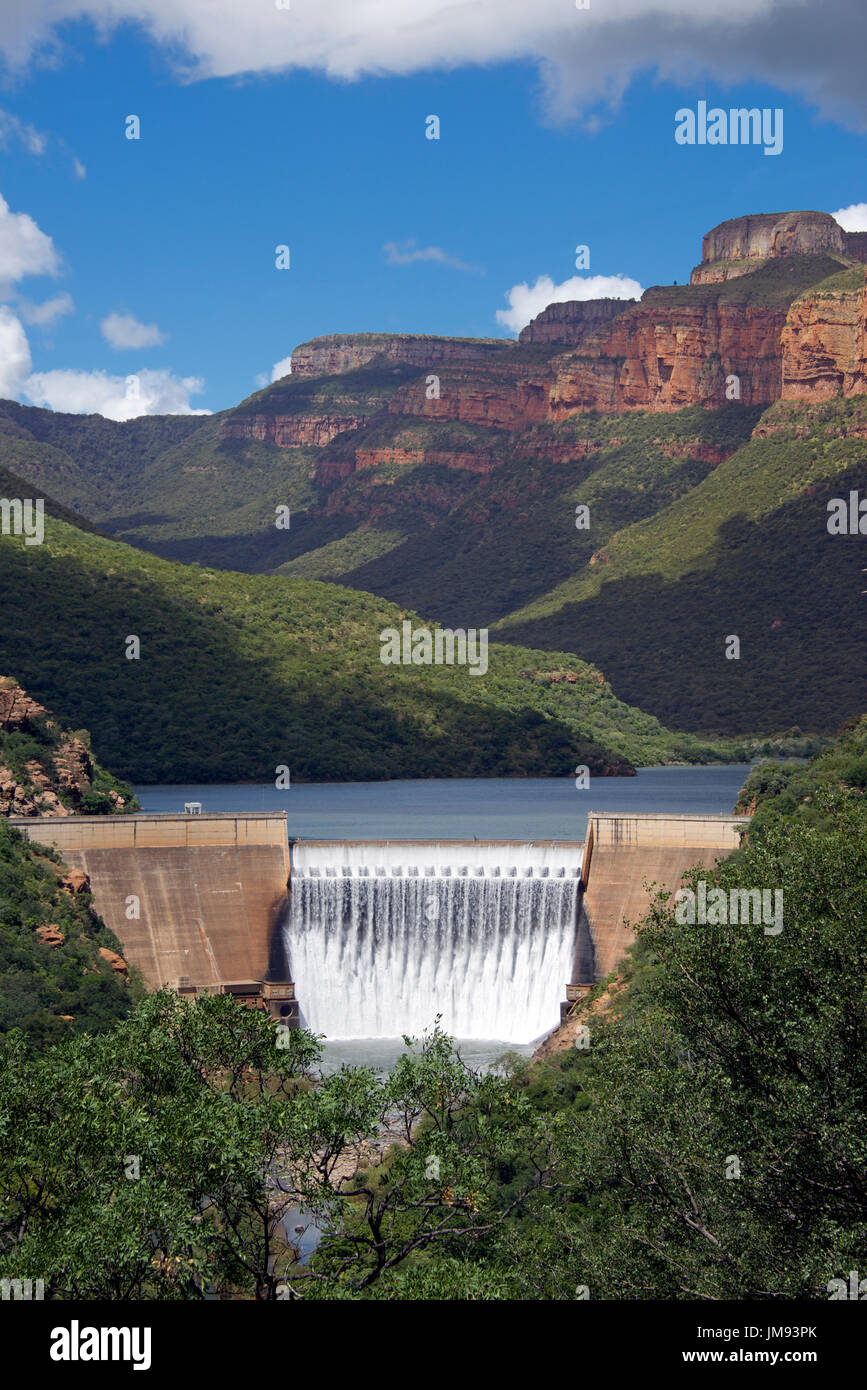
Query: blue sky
179	228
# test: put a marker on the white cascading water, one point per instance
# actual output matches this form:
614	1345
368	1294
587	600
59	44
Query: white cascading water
383	937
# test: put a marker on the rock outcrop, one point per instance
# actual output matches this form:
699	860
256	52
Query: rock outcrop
467	461
666	355
290	431
117	963
76	881
507	395
570	321
17	710
50	935
824	345
742	244
342	352
57	781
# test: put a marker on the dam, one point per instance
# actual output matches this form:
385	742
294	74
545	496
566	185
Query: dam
500	937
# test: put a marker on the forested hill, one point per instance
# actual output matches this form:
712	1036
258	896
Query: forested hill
237	675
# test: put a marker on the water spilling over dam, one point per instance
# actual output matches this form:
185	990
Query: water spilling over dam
383	936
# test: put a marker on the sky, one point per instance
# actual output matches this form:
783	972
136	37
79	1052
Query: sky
141	276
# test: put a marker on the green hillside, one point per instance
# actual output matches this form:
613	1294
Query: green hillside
746	552
49	988
241	674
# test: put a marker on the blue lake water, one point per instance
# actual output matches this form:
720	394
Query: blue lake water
505	808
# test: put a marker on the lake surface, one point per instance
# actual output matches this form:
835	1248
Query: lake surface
502	808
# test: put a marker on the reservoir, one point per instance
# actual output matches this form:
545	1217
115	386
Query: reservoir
485	808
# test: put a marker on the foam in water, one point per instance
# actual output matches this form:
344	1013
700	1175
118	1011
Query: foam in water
383	937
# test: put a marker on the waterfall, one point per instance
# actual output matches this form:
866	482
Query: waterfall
383	937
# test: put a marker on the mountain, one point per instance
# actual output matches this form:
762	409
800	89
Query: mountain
238	675
705	428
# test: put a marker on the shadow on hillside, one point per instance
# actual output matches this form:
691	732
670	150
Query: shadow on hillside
219	695
785	587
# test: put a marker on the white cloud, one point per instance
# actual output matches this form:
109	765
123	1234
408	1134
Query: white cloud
14	354
408	252
584	56
853	218
79	169
124	331
24	249
281	368
116	397
13	128
526	301
49	311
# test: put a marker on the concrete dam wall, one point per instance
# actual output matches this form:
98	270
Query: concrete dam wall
621	853
210	890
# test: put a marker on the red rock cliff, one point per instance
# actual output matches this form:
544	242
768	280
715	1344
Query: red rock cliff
338	352
571	321
824	345
663	355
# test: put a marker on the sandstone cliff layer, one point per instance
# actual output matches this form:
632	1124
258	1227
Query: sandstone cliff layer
824	347
338	352
678	347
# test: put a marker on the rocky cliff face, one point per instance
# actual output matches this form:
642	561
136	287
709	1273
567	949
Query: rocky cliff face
53	781
678	347
508	395
291	431
824	345
667	355
571	321
339	352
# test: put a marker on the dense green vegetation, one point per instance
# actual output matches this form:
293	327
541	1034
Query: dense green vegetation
241	674
776	789
41	982
704	1139
746	552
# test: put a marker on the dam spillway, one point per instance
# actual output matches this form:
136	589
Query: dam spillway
384	936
